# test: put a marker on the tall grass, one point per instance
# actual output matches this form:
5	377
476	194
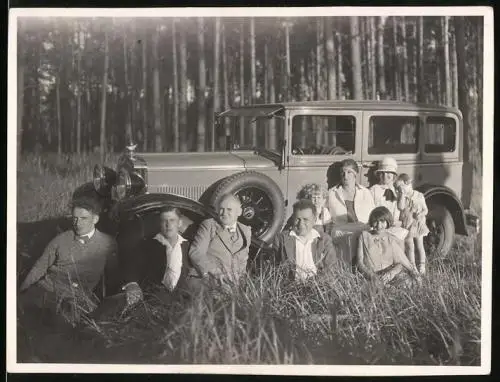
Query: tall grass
45	183
338	319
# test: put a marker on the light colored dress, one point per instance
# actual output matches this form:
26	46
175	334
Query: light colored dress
349	219
379	197
382	252
413	217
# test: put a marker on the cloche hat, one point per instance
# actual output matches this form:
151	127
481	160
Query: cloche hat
388	165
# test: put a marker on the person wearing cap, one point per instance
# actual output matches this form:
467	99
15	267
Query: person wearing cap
384	193
64	278
350	205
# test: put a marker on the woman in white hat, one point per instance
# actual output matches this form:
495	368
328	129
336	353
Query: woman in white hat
384	193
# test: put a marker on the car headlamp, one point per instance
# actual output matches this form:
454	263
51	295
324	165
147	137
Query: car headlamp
103	179
123	184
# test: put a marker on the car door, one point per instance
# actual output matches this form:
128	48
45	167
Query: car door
441	152
318	140
393	134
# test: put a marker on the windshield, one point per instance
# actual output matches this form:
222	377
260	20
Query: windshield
249	132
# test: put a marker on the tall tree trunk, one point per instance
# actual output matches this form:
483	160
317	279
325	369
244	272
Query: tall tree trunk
406	82
420	59
454	71
373	63
479	68
319	56
145	95
90	118
357	79
242	82
396	82
78	93
364	56
330	57
103	143
340	72
127	115
156	93
200	141
59	115
272	99
380	57
175	121
288	87
132	81
472	153
413	60
266	66
216	99
20	96
446	59
225	69
183	93
253	77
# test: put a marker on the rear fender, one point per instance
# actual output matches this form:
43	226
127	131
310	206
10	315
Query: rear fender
445	196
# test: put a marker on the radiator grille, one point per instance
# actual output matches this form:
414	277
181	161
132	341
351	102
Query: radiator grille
191	192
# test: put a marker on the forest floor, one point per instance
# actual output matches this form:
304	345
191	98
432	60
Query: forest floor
342	320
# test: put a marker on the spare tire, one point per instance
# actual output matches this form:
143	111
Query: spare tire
261	200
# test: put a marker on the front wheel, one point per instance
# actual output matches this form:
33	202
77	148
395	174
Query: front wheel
439	241
261	201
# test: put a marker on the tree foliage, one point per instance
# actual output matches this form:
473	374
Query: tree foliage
92	84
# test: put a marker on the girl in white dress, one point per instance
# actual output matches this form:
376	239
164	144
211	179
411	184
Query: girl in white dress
380	254
413	214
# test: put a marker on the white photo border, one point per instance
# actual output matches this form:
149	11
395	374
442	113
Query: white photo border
364	370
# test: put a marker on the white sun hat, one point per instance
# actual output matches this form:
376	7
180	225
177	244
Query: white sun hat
388	165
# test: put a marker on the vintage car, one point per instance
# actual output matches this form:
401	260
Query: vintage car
266	153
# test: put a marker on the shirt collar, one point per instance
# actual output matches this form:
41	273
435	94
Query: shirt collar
231	228
163	240
88	235
339	186
312	235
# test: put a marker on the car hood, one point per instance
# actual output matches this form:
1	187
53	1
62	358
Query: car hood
207	160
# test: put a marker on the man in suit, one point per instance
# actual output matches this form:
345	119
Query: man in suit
64	278
162	263
305	250
219	251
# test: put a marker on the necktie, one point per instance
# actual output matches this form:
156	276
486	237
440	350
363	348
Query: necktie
232	233
389	195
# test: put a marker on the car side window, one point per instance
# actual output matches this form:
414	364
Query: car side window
393	135
440	135
323	134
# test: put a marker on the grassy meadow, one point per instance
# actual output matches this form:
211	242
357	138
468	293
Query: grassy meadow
341	319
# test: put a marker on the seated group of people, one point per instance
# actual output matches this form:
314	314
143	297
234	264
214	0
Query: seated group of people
318	239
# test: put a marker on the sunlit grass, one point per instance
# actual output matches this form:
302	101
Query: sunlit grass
340	319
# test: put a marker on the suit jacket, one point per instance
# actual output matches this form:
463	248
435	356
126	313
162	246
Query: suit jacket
322	249
148	267
211	252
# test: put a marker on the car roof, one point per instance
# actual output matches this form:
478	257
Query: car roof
352	104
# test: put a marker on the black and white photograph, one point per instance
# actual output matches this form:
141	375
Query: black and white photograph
298	191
